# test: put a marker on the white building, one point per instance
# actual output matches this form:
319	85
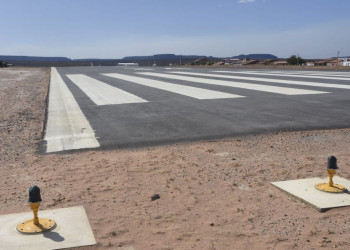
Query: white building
346	62
127	64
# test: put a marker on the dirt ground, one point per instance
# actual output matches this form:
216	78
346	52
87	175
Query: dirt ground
213	194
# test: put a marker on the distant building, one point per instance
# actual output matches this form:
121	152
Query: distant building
323	62
345	62
201	61
280	63
249	62
127	64
267	62
236	61
334	62
220	63
341	61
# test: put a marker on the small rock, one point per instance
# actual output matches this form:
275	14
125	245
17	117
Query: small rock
211	224
155	197
243	187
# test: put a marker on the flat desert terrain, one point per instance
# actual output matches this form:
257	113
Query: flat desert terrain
213	194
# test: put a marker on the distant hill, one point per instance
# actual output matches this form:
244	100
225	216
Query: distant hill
92	60
162	57
165	59
158	59
169	57
256	56
33	59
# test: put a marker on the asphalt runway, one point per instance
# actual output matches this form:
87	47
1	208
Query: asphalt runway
122	107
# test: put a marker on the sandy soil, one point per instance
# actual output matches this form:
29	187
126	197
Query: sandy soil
213	194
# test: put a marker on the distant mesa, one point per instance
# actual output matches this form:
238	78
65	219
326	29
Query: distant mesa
158	59
33	59
162	57
170	57
165	60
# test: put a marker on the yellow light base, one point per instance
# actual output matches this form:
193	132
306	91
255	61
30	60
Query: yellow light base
335	188
28	227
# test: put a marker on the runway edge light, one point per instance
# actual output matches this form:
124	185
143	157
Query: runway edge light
330	187
35	225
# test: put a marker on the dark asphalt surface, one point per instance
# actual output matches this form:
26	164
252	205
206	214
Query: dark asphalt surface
170	118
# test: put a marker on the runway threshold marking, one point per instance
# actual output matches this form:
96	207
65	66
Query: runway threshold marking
193	92
292	73
276	74
102	93
67	127
243	85
330	73
293	82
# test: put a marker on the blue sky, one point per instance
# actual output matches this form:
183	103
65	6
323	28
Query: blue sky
118	28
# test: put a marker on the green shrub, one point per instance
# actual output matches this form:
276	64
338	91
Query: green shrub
3	64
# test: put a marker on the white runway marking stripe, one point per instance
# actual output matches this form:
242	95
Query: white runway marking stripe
292	73
193	92
313	84
243	85
102	93
67	128
282	74
318	72
311	73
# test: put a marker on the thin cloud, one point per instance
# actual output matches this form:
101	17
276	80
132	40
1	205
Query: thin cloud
246	1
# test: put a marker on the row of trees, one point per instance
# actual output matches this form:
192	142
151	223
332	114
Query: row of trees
3	64
295	60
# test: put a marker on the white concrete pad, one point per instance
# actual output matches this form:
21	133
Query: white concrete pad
243	85
72	230
304	190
